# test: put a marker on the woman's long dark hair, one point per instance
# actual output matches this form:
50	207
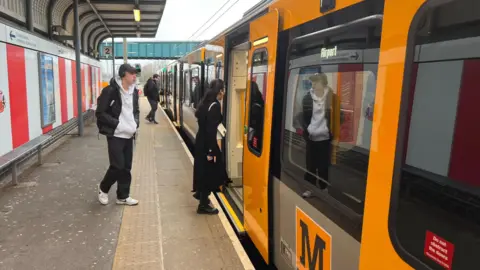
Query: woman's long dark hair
210	96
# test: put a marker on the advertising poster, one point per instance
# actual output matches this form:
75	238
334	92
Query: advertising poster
93	88
47	89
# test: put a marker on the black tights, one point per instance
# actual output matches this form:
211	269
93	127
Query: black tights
204	200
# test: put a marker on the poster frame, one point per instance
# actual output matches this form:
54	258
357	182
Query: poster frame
41	78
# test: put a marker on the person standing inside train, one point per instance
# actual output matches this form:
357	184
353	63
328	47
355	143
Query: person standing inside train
118	119
208	168
153	96
317	110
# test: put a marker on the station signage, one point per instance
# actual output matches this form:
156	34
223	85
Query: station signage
334	55
21	38
27	40
107	50
326	53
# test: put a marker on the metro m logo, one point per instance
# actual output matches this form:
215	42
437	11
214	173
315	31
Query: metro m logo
313	244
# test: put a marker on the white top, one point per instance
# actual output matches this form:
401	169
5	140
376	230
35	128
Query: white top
318	129
127	126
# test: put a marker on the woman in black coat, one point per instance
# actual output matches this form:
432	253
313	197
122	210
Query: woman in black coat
208	168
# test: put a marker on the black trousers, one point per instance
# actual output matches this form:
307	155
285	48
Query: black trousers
154	106
120	154
318	159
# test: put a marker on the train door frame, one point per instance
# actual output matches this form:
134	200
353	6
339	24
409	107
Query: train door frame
257	218
235	109
180	93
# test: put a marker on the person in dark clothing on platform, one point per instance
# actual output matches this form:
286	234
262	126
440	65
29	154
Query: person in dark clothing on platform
208	168
118	119
153	96
195	94
317	112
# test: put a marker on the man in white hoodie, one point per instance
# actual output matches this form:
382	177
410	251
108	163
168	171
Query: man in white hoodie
118	119
317	113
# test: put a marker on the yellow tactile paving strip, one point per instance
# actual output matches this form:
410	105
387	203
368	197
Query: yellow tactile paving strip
140	243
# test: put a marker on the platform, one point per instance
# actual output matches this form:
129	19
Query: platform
52	219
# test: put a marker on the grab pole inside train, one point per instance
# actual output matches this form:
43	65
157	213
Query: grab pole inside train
78	67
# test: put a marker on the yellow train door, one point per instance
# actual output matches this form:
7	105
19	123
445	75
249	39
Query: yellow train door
261	80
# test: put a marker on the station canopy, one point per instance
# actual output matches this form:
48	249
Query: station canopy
98	19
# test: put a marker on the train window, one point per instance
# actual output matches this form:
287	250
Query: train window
258	88
435	215
210	73
328	121
219	71
170	89
195	91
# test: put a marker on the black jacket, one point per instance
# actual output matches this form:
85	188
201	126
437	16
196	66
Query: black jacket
109	107
207	175
151	90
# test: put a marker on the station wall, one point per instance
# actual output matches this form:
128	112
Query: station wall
38	90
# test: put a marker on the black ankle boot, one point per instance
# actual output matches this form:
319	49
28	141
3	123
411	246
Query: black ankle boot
207	209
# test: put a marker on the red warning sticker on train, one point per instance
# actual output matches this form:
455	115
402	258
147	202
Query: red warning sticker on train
439	250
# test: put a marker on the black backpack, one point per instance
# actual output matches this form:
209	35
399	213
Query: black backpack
146	89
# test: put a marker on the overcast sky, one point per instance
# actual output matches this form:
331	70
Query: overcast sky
182	18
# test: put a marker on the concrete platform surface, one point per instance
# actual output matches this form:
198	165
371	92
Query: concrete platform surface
52	220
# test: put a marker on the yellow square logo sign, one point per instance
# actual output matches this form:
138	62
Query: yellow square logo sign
314	244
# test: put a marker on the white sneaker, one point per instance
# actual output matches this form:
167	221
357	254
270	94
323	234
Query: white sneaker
307	194
128	201
102	196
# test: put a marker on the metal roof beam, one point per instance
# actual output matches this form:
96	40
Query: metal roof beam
98	15
86	45
82	35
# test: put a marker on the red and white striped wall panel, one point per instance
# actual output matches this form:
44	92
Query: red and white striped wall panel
6	139
20	106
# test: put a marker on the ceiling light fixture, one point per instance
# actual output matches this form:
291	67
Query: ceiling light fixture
136	14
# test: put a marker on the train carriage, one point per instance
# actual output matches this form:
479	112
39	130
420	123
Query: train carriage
193	73
395	184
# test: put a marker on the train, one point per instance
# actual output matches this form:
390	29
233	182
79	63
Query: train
394	184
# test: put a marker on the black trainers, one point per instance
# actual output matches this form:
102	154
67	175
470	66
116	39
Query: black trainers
207	210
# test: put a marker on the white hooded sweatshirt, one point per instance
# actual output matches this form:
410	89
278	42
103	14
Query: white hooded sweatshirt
318	129
127	126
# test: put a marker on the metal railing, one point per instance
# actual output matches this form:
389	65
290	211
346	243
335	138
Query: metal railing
55	135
